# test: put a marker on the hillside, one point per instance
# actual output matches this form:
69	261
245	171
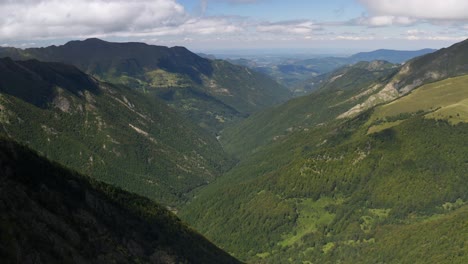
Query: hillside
110	132
210	92
343	193
385	182
49	214
344	93
335	94
436	66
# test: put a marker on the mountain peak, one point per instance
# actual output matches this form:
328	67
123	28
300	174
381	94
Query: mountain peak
94	40
89	41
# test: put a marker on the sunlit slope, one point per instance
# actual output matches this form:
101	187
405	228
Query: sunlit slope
433	67
447	100
328	195
439	239
338	92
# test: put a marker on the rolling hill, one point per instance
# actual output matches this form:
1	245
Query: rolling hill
210	92
110	132
50	214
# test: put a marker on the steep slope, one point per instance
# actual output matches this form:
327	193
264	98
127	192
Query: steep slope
337	193
343	94
211	93
442	64
337	92
109	132
49	214
373	184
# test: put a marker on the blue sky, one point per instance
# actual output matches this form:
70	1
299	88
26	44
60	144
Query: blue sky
278	10
216	25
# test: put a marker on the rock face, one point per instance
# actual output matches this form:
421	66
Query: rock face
49	214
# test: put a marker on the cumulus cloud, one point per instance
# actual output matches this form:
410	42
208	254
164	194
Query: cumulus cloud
166	21
398	12
60	18
42	19
423	9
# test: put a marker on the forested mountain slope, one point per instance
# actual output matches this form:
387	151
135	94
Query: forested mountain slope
210	92
334	192
110	132
49	214
439	65
343	94
387	183
337	92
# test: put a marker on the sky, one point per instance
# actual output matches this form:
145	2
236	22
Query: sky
223	25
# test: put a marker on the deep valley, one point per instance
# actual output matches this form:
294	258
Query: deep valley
127	152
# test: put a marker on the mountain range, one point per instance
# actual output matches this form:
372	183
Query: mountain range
294	72
369	166
209	92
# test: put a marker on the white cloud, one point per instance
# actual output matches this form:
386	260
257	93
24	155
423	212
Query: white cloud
381	21
43	19
390	12
62	18
289	27
166	21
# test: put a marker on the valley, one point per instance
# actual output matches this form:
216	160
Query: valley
330	187
261	132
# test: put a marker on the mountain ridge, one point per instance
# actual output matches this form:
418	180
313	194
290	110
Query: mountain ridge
159	70
111	132
441	64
